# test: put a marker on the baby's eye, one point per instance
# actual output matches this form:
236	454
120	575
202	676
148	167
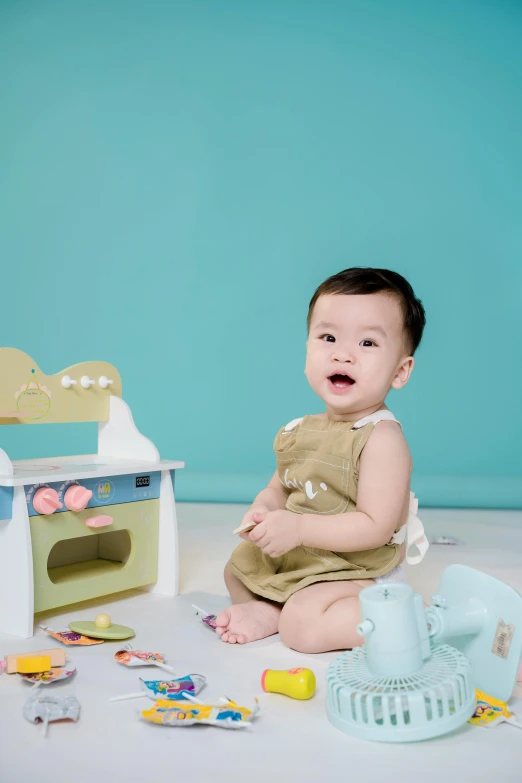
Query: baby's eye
328	338
366	343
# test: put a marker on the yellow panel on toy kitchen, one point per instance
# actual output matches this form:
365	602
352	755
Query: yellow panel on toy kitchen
78	393
82	526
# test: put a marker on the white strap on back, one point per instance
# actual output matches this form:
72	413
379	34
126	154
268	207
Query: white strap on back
382	415
413	533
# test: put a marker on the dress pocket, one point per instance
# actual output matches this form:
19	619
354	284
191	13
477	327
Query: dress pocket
317	483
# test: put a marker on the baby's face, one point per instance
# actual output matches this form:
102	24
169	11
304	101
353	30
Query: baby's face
356	351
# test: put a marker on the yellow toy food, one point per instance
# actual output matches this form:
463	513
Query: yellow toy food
12	662
296	683
102	621
34	664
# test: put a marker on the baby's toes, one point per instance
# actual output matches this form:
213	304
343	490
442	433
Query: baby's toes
223	620
232	638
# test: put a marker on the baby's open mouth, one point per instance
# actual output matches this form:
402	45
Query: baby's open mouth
341	382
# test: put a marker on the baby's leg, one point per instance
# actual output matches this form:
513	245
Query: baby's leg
323	617
249	618
238	592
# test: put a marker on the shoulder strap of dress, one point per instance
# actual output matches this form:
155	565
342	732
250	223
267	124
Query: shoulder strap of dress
382	415
292	424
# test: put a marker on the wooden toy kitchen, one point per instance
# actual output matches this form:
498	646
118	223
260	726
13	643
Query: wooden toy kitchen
80	527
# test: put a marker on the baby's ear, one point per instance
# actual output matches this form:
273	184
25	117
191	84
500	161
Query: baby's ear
403	373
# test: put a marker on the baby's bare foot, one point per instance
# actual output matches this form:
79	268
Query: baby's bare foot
248	622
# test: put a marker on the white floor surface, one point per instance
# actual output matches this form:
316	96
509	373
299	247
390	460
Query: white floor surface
291	740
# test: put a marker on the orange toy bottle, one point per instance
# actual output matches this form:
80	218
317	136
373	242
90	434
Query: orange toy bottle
296	683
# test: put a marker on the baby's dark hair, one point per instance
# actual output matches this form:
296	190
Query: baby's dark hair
365	280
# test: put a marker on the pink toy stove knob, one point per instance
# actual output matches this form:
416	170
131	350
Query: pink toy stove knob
46	500
102	521
77	497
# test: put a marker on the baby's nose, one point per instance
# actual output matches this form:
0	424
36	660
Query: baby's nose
343	355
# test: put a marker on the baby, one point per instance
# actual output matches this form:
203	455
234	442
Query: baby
336	515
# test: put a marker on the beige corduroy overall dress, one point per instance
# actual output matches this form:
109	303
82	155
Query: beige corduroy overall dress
317	463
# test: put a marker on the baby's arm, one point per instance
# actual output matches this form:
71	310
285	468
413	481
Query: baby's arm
271	498
382	498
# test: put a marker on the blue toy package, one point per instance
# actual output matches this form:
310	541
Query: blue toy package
174	690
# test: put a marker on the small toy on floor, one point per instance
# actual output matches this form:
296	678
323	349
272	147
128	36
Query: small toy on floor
170	690
71	637
102	628
48	677
33	664
38	661
490	712
445	541
297	683
208	619
129	657
49	708
225	714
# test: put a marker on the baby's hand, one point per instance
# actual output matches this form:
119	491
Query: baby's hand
254	515
277	534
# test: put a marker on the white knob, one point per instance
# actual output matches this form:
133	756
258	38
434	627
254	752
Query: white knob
67	382
104	381
86	382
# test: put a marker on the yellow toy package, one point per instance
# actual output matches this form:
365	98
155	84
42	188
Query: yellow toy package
226	714
490	712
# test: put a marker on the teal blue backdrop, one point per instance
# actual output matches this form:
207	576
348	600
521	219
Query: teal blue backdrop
177	178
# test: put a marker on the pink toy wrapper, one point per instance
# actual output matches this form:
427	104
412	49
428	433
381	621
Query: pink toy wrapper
47	678
139	658
210	620
71	637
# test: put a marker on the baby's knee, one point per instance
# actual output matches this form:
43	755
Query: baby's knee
296	629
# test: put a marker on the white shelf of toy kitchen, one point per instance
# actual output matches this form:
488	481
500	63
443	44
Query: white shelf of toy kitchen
41	471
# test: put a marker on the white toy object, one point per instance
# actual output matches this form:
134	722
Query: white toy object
80	527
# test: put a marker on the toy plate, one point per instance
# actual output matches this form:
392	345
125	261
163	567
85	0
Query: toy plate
88	628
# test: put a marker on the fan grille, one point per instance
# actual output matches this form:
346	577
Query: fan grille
434	700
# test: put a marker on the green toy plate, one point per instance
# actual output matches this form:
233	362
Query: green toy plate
116	632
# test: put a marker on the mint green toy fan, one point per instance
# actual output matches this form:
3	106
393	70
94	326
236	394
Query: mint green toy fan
407	683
